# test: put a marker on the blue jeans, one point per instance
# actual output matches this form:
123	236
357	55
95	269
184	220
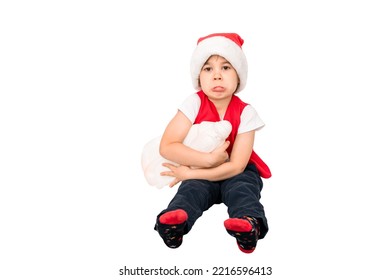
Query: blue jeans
241	195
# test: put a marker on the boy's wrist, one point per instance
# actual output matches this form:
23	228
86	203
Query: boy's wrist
210	160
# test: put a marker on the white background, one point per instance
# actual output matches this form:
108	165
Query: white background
85	84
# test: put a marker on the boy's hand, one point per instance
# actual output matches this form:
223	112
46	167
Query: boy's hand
219	155
179	173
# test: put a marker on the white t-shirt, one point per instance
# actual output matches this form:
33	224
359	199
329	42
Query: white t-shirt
250	120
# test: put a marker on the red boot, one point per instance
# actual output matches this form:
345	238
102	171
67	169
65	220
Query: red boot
246	230
171	225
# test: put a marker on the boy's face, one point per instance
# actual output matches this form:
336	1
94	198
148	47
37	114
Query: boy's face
218	79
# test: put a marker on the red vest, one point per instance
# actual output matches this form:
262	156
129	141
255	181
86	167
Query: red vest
208	112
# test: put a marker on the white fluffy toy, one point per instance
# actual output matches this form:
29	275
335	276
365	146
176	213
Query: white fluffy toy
204	137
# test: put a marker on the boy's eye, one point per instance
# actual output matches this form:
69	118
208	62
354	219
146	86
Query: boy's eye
226	67
207	69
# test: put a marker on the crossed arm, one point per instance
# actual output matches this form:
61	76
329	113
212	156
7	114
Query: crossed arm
212	166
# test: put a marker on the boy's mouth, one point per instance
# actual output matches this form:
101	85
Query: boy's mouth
218	88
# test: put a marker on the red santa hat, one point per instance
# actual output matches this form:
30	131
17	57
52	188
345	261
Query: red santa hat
227	45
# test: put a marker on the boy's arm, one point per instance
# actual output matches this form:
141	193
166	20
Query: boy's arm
173	149
239	159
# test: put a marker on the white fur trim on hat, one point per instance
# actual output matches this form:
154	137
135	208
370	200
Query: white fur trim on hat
222	46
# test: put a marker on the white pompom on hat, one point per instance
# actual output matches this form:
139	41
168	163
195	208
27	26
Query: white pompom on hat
227	45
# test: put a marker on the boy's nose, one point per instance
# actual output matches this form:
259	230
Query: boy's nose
217	76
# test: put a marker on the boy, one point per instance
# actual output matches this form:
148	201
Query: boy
231	173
